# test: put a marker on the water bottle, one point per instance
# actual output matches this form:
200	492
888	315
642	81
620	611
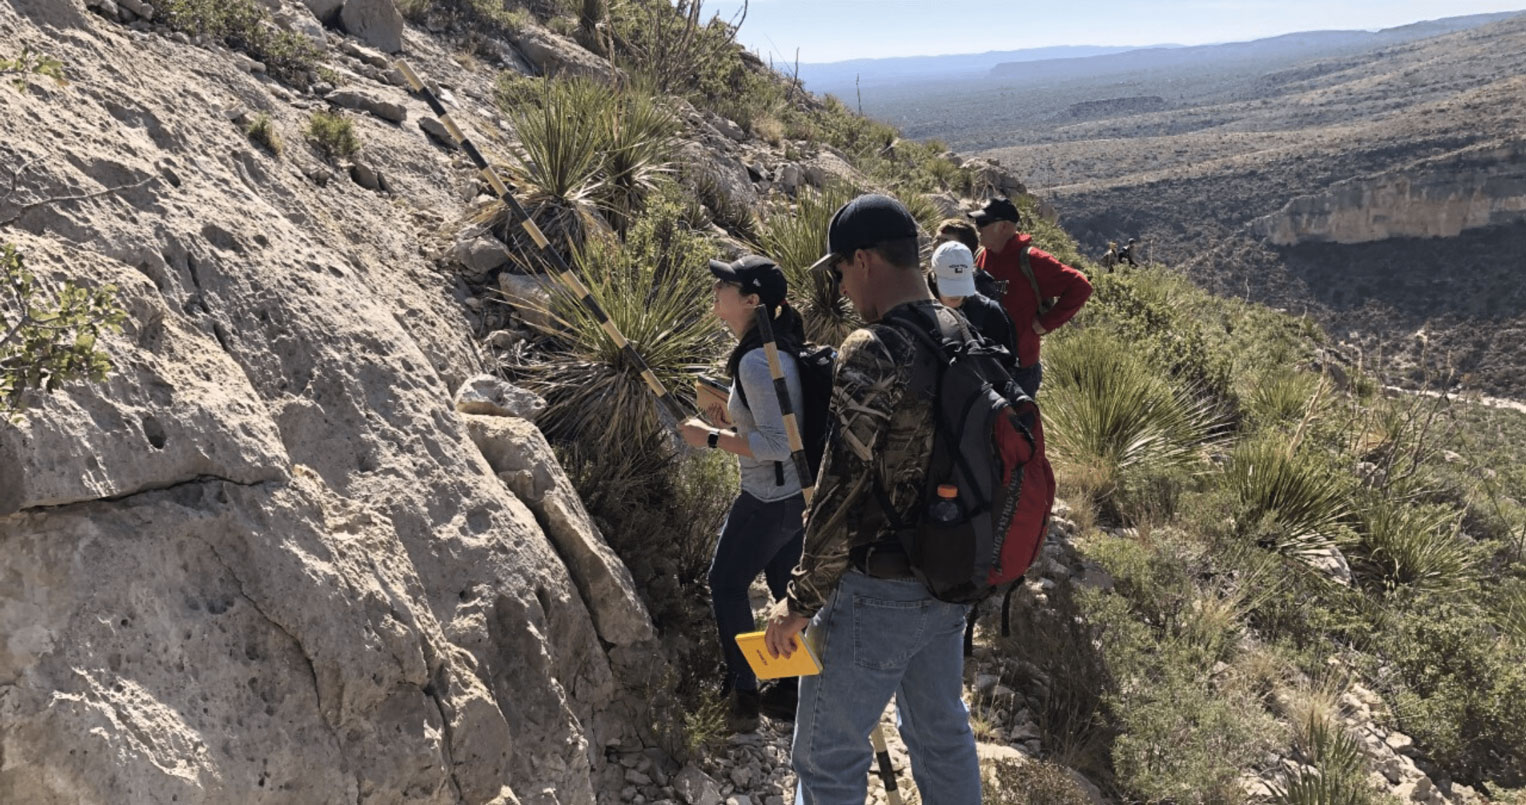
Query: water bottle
945	509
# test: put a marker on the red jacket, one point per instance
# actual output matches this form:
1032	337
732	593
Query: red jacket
1055	279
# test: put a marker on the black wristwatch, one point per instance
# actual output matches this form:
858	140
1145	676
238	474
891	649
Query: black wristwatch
714	439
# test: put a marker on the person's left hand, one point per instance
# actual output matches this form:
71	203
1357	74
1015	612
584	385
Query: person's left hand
695	432
783	625
1038	328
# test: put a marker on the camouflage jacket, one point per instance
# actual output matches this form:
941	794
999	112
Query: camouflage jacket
881	432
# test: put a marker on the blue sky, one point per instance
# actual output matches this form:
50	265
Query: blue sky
836	30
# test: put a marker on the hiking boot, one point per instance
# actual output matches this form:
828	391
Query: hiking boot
778	700
742	715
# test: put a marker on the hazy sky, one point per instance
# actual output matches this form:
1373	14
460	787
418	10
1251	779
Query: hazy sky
836	30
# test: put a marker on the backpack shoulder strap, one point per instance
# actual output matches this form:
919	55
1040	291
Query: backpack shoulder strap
1027	265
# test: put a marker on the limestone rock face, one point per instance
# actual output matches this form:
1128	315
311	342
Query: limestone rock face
1435	198
556	55
264	562
377	22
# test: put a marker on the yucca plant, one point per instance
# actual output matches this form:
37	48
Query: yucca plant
1289	494
923	209
642	135
656	291
1280	395
795	236
1339	776
561	157
1111	416
1404	544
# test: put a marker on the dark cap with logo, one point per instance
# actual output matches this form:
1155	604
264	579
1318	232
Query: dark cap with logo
754	274
866	221
997	209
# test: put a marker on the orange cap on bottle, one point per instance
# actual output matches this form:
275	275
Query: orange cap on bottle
948	491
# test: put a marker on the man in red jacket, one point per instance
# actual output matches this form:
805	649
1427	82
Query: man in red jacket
1042	293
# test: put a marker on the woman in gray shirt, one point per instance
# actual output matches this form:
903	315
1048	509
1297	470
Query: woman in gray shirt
763	532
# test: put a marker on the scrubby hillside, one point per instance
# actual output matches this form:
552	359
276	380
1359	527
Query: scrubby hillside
304	542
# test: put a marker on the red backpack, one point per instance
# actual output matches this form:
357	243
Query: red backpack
989	445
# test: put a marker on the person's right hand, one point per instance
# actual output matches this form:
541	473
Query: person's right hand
717	414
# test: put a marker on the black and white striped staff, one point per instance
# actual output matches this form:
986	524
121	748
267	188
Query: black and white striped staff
808	489
667	404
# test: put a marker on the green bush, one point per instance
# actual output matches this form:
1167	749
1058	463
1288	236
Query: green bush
262	130
1460	690
48	338
482	17
332	134
245	25
1159	316
655	289
1112	422
1279	395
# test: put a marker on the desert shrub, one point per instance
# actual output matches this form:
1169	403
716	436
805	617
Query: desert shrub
332	134
245	25
1279	395
1034	782
1159	319
262	130
1113	423
1181	736
50	337
1459	689
655	290
642	137
489	17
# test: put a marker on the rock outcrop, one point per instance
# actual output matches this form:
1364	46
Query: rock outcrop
1479	186
265	562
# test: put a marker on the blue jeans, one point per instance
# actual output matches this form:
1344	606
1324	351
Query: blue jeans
758	537
880	637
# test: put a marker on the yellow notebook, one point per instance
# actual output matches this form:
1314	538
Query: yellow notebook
803	662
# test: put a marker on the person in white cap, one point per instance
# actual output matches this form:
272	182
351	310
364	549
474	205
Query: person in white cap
953	280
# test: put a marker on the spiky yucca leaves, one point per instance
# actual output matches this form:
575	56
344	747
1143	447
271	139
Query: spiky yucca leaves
795	236
1111	419
655	289
1280	395
1340	770
564	137
1289	495
642	136
1406	544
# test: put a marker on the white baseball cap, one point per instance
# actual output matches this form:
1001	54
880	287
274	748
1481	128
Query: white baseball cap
954	269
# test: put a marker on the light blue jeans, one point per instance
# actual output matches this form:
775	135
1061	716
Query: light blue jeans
880	637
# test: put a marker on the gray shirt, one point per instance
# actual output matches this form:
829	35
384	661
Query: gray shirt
763	425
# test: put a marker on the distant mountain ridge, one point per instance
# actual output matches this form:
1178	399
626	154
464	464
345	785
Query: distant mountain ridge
837	77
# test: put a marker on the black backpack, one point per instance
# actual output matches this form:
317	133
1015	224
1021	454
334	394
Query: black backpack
815	364
989	443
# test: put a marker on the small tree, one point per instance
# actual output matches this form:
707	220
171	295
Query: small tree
47	339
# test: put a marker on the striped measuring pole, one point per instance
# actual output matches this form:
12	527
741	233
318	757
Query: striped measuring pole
668	407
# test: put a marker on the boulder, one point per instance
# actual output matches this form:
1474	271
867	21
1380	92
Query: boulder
480	254
437	132
1330	562
523	459
830	167
696	787
376	22
488	395
556	55
370	101
530	295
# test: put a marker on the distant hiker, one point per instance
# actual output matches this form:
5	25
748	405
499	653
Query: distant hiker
762	532
953	281
958	230
1110	258
1042	293
1126	254
881	631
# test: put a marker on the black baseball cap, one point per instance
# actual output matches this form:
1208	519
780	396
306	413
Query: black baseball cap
1000	208
755	274
866	221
